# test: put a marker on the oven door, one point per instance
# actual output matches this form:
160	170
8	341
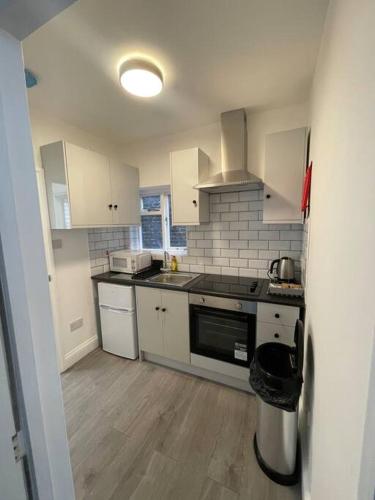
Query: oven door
221	334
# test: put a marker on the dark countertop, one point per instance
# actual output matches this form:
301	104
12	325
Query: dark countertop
262	296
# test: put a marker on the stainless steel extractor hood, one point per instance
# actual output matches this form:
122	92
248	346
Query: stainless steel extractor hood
234	175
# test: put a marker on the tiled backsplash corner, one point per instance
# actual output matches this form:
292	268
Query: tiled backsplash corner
236	242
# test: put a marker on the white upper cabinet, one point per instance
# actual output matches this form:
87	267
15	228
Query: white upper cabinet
285	165
86	189
89	187
125	193
189	206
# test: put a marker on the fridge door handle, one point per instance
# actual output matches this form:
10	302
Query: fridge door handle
116	309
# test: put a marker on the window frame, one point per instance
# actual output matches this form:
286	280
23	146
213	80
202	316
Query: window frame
165	222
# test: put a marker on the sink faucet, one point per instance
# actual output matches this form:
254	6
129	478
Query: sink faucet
166	257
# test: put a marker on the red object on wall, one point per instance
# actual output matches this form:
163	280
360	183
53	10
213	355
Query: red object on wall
306	189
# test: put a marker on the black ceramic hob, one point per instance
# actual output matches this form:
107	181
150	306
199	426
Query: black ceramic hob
228	285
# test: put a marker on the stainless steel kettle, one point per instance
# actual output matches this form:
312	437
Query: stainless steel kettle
282	269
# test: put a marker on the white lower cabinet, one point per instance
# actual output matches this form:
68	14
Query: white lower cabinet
276	323
163	323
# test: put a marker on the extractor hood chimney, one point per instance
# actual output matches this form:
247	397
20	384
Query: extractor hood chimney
234	175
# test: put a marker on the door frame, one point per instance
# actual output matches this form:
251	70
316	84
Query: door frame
25	272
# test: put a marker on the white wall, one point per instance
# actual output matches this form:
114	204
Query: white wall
340	297
71	270
152	156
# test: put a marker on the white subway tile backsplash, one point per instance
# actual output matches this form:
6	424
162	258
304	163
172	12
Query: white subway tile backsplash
220	261
249	195
238	263
239	226
212	269
229	271
241	206
279	245
291	235
258	264
248	235
258	245
212	252
249	254
229	235
229	216
194	268
204	243
238	244
269	254
220	207
232	253
255	205
248	215
220	243
229	197
269	235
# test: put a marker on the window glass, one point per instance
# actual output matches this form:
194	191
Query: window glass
177	234
151	203
152	235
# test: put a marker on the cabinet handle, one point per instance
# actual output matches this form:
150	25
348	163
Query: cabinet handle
268	196
115	207
157	308
110	206
163	310
195	203
277	315
276	335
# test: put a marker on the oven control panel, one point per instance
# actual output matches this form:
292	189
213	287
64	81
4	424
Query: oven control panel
244	306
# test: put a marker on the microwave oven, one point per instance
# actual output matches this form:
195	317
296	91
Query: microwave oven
129	261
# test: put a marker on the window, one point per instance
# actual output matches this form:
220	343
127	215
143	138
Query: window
157	232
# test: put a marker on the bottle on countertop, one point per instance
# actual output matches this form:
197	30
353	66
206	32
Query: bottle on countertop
174	265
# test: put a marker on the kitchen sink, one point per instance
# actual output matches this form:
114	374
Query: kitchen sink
175	279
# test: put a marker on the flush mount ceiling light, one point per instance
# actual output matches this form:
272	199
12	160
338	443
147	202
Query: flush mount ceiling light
141	78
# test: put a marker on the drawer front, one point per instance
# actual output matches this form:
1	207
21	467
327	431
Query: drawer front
280	315
269	332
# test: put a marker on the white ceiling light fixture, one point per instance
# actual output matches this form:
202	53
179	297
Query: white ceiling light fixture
141	78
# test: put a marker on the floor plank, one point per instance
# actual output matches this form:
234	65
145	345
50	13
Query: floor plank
140	431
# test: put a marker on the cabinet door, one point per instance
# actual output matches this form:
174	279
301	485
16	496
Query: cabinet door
176	326
270	332
89	187
283	179
150	320
186	201
125	193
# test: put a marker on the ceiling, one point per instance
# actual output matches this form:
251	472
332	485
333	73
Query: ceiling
215	55
22	17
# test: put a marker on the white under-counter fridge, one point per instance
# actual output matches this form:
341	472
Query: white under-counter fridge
118	319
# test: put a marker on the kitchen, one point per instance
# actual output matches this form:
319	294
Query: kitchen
181	196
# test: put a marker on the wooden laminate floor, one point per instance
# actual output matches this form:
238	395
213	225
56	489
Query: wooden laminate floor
139	431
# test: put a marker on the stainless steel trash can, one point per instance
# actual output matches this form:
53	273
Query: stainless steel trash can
276	377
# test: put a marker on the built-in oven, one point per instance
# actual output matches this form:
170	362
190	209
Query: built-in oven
222	328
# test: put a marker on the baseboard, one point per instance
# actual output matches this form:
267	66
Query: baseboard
220	378
80	351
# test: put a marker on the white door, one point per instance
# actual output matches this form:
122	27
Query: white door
149	318
89	187
119	332
11	472
125	193
176	326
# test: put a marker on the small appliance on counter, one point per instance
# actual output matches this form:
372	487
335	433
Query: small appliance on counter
282	276
129	261
282	270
